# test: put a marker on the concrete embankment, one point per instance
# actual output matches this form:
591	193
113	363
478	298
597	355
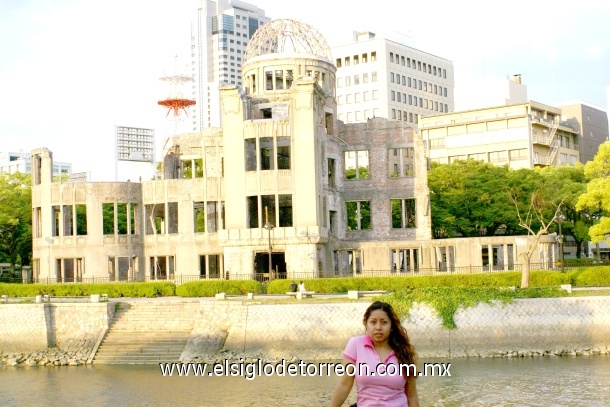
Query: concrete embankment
311	330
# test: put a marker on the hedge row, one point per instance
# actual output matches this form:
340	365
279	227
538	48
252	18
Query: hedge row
211	288
116	290
590	276
342	285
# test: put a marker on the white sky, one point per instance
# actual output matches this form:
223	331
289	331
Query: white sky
70	70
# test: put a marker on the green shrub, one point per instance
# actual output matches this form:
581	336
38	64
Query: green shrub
210	288
591	276
447	300
114	290
342	285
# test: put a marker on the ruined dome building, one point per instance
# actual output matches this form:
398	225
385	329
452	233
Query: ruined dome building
281	180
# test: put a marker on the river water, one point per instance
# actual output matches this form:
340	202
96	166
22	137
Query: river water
541	381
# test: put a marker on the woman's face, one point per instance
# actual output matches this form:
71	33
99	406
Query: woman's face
378	326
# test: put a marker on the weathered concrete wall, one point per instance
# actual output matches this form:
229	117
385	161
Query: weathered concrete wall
23	327
320	331
70	327
309	331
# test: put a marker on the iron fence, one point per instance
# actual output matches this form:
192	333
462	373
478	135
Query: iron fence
267	277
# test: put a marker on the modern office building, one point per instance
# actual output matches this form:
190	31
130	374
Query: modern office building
12	162
219	37
282	189
524	135
377	77
591	122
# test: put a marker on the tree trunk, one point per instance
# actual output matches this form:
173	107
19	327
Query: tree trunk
525	270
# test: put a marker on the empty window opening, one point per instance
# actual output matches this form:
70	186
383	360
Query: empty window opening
252	204
67	220
329	123
108	218
268	205
124	268
279	80
283	153
347	261
250	153
266	153
56	217
357	164
401	162
332	218
289	79
161	267
404	260
210	266
121	211
134	223
331	173
444	258
81	220
155	217
403	213
172	218
189	165
285	212
198	217
358	215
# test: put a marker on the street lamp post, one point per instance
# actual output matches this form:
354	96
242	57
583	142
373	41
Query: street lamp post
269	226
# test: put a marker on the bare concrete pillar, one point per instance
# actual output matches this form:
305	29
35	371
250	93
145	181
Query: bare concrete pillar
505	254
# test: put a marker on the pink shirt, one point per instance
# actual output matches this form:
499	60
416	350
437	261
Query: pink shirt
374	389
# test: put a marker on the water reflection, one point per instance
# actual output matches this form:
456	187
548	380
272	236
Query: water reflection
556	381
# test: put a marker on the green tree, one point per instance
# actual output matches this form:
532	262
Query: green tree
596	199
15	219
470	198
567	184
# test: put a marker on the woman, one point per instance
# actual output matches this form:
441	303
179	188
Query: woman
385	343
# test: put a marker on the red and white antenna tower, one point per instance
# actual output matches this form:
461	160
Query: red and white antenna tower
176	101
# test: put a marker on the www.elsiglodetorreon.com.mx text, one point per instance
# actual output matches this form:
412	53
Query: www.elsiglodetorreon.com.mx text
252	370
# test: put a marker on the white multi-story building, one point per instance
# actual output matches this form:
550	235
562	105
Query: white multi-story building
12	162
219	37
377	77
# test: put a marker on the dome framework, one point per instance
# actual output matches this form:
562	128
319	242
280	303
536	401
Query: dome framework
287	36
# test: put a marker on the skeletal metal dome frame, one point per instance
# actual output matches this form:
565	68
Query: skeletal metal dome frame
287	36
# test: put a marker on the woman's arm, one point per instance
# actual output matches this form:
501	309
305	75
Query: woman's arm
411	392
343	387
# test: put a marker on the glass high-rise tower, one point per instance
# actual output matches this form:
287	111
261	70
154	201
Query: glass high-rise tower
219	37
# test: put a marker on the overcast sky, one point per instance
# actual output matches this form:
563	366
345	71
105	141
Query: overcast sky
70	70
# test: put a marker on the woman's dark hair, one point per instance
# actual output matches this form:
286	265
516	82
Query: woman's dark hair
398	340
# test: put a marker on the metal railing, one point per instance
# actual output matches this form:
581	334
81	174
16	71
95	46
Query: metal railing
445	269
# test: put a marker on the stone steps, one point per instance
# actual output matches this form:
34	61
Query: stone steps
147	333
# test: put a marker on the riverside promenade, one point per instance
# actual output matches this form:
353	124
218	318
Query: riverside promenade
274	327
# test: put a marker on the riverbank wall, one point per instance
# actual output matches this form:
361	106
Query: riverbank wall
315	330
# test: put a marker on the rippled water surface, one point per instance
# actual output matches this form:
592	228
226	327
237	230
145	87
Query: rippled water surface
556	381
